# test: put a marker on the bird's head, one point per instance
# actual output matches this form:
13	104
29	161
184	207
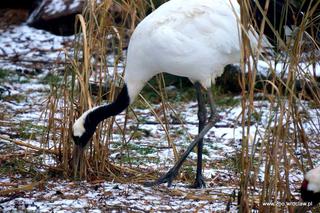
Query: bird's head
310	187
83	130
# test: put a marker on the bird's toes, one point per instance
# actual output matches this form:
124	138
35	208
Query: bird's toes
215	118
199	183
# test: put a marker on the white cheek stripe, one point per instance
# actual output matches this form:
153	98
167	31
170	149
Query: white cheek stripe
78	126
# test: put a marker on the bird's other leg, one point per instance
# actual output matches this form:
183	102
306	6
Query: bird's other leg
202	116
173	172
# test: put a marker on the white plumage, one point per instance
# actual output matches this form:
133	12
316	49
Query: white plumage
193	38
313	178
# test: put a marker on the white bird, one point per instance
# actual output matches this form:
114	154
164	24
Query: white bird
191	38
310	188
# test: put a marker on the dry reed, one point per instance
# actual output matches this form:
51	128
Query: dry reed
272	152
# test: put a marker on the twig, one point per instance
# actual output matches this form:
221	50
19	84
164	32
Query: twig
20	143
12	197
28	187
190	123
8	156
4	184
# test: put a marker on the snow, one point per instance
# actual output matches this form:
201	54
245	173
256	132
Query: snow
74	4
114	197
55	7
222	143
22	46
281	69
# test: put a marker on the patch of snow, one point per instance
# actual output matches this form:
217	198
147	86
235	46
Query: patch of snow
22	46
281	69
74	4
55	6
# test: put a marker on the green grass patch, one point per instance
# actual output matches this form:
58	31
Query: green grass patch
256	116
52	79
142	150
182	90
226	101
232	163
13	76
29	130
18	98
139	160
135	154
14	166
3	75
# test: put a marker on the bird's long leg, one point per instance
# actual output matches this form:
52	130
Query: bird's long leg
202	116
213	110
173	172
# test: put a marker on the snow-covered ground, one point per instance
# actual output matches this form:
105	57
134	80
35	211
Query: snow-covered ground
114	197
27	55
23	47
23	99
150	151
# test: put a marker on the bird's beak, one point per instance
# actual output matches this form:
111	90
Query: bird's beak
77	155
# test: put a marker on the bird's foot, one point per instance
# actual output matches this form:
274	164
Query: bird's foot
199	183
215	118
167	178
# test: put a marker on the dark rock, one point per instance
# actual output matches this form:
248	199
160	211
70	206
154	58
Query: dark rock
56	16
229	80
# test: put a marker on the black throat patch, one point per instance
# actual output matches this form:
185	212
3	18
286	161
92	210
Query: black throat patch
101	113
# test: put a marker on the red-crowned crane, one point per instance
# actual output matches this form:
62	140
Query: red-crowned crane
191	38
310	188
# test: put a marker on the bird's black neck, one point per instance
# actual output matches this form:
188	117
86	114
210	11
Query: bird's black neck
105	111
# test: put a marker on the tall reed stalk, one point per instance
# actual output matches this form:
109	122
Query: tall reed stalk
94	76
269	157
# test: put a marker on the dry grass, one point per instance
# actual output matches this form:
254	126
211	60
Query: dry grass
284	133
275	148
89	82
